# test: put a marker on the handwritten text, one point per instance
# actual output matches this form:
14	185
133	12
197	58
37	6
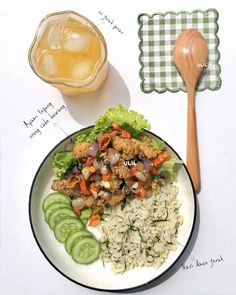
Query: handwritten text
42	118
197	263
105	18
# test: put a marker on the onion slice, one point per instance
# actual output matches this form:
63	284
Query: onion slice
126	190
135	191
135	188
106	196
104	169
147	164
95	162
92	150
113	156
140	176
78	203
96	177
75	170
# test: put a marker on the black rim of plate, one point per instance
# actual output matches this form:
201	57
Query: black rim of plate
100	289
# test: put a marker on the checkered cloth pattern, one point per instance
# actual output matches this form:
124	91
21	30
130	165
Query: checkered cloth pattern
157	36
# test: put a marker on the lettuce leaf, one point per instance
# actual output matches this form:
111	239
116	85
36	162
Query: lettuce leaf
85	137
134	132
118	114
85	214
61	162
172	166
158	144
121	115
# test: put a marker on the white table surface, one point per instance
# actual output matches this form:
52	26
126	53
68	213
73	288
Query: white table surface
24	270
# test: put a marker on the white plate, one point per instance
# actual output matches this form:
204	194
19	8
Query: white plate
95	275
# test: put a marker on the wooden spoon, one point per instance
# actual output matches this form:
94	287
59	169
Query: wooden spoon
190	58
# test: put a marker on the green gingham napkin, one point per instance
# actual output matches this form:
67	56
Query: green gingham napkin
157	36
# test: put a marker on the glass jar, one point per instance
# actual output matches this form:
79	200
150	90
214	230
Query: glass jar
69	52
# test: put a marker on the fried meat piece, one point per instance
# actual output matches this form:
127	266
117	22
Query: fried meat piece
140	166
145	148
60	185
81	150
128	148
115	183
120	170
97	209
89	202
115	200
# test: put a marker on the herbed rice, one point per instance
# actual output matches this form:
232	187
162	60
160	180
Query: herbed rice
143	233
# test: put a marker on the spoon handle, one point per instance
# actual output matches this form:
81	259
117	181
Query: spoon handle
192	143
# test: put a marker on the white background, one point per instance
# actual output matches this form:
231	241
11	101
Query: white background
24	270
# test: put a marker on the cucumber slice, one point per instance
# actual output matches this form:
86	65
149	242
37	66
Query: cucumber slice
74	237
55	198
59	215
53	207
86	250
65	227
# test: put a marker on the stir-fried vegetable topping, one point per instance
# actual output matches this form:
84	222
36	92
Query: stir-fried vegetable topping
113	163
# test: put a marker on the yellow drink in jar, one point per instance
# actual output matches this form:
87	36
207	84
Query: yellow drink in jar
70	53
